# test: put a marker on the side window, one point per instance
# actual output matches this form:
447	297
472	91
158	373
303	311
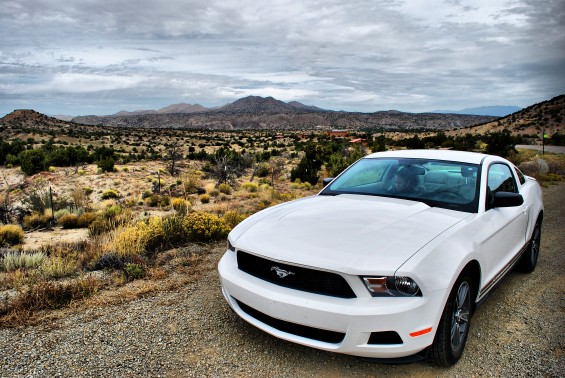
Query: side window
500	179
520	175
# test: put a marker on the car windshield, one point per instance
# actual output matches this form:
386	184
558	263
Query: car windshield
446	184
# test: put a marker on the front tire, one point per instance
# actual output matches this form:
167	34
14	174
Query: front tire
453	328
529	259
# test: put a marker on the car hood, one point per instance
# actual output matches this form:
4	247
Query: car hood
353	234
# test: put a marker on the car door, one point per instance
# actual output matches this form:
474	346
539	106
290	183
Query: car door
503	231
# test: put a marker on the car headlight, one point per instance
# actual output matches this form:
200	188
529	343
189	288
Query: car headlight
392	286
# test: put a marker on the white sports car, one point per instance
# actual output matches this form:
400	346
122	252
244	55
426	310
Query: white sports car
390	259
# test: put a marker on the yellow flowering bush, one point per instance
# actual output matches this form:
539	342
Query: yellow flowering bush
11	234
205	227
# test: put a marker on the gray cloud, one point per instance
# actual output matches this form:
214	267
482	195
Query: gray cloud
100	57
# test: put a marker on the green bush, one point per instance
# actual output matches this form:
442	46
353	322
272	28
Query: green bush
106	164
11	234
60	213
134	271
204	198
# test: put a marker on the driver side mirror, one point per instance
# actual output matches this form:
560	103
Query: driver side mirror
504	199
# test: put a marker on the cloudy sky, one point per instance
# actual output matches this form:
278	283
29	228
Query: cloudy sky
100	57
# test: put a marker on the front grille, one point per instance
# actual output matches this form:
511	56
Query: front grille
304	279
293	328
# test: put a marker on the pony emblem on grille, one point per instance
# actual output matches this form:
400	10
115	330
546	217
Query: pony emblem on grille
281	272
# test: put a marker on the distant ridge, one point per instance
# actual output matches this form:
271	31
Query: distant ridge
175	108
547	116
495	111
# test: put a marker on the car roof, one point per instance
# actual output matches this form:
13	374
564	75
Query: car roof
448	155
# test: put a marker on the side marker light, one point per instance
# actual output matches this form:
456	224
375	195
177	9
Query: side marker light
422	332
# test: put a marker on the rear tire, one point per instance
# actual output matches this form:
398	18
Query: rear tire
529	259
453	328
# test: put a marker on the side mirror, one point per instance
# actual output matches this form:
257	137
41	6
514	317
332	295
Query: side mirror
506	199
327	180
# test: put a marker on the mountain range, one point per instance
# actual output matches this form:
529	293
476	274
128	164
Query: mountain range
267	113
254	112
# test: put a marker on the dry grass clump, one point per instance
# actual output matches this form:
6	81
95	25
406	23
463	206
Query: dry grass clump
36	221
110	194
251	187
68	221
86	219
225	188
44	295
11	234
58	267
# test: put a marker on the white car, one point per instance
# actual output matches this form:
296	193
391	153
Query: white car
390	259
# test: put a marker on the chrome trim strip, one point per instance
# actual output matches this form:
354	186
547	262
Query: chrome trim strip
490	285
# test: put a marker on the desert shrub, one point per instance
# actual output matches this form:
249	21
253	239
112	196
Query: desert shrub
262	170
109	261
16	260
51	169
11	234
86	219
68	221
106	164
191	182
53	295
113	211
87	190
233	218
181	205
214	192
133	239
134	271
251	187
36	220
301	185
205	227
225	188
110	221
552	177
60	213
125	169
110	194
204	198
58	267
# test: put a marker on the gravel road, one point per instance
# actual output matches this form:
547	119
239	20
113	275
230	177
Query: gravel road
191	332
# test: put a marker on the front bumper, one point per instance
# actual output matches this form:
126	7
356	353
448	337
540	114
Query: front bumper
356	318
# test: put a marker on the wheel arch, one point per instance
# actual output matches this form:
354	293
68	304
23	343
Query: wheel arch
473	269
